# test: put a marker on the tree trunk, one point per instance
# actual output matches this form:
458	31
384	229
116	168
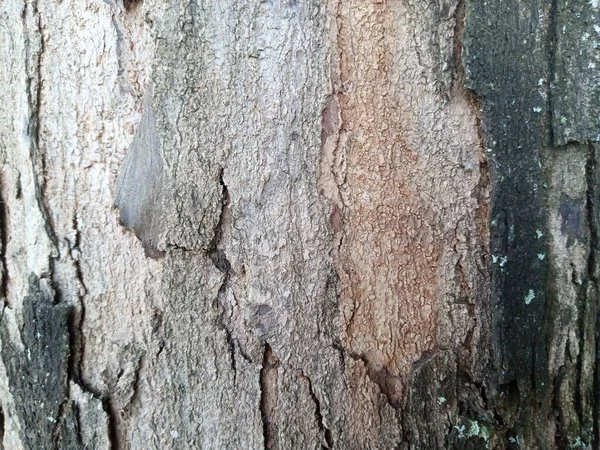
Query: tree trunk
299	224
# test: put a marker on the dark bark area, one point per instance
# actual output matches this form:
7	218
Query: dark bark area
529	63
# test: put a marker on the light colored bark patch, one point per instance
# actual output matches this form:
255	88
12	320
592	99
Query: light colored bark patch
401	161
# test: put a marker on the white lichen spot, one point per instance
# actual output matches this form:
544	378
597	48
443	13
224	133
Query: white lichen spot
489	150
541	81
461	431
514	440
174	434
585	37
480	431
541	256
538	234
563	120
494	259
591	65
529	297
537	109
474	430
597	28
503	261
594	3
579	443
441	400
51	419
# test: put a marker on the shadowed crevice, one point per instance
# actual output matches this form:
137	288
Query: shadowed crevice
325	431
269	392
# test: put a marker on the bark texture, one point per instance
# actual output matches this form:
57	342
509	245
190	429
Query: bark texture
299	224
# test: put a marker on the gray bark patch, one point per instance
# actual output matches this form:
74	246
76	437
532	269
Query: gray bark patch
140	183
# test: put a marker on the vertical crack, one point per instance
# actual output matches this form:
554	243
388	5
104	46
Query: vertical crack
3	244
77	337
114	435
34	98
269	392
219	259
325	431
1	428
592	278
217	255
457	65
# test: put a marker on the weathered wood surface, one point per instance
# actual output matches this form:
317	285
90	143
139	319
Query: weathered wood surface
299	224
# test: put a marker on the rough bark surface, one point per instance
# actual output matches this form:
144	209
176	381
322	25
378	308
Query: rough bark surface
299	224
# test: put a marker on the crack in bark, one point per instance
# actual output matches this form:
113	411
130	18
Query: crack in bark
113	428
591	208
2	419
219	259
77	337
269	393
325	431
126	408
456	61
332	125
458	79
391	386
479	292
60	417
3	244
34	90
34	100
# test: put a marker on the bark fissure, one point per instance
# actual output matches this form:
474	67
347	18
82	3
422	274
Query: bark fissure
325	431
390	385
592	279
458	70
269	392
135	385
2	425
113	423
76	322
63	410
219	259
482	189
3	244
34	131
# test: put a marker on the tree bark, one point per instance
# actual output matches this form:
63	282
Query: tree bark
299	224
